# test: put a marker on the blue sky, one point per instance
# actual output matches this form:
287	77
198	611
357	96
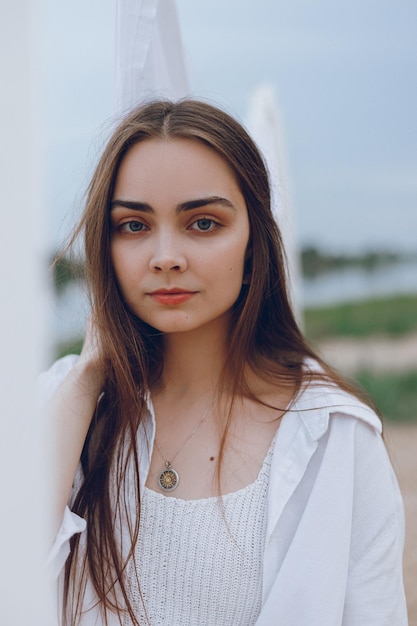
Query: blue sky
344	75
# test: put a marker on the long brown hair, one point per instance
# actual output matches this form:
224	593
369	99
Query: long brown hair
264	336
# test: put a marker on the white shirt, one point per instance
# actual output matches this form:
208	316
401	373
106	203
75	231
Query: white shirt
217	547
335	523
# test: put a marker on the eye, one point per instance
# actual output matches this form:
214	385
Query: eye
204	224
132	227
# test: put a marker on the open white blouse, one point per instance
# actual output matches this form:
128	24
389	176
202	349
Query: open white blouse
335	522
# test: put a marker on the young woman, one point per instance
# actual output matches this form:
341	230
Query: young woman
217	471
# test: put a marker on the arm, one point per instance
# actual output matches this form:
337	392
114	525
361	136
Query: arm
68	416
375	592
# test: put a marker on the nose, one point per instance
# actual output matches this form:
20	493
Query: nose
168	255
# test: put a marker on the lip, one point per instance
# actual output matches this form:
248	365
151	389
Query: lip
171	296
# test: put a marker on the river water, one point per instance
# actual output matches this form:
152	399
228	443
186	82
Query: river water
69	311
356	284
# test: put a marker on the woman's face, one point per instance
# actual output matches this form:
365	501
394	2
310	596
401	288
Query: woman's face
180	232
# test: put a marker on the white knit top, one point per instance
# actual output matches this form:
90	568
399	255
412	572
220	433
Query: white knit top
199	562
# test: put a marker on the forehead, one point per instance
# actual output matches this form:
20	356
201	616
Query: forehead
181	168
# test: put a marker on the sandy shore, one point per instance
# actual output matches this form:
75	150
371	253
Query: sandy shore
382	354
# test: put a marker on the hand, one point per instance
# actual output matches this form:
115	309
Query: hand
90	365
68	417
91	346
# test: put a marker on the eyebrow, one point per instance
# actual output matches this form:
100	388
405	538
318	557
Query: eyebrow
189	205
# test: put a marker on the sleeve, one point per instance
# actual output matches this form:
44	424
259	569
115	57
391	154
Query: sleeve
48	383
58	554
375	592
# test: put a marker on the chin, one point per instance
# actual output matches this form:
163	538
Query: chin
169	327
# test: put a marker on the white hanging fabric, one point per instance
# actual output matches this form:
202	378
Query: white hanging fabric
149	53
24	593
264	125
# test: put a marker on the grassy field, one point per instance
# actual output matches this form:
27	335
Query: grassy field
394	393
383	316
69	347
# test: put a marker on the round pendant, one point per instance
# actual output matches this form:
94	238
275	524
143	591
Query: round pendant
168	479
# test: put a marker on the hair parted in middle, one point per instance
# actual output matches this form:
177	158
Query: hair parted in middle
263	318
264	334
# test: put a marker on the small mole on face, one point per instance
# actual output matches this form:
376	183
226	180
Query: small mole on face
212	458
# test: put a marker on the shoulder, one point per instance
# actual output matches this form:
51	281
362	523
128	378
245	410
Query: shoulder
320	405
347	436
49	380
337	441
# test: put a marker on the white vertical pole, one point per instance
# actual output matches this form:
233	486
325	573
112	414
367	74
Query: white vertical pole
149	54
24	598
265	126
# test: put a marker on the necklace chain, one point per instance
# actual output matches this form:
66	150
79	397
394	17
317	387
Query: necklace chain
169	478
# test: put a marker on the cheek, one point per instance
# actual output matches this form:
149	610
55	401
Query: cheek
232	270
237	259
124	264
234	252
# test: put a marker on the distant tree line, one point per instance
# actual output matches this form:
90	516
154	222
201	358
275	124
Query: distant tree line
315	261
64	271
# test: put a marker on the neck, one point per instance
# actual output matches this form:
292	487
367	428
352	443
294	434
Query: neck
193	362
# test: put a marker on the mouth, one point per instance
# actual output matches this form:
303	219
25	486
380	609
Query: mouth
171	296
